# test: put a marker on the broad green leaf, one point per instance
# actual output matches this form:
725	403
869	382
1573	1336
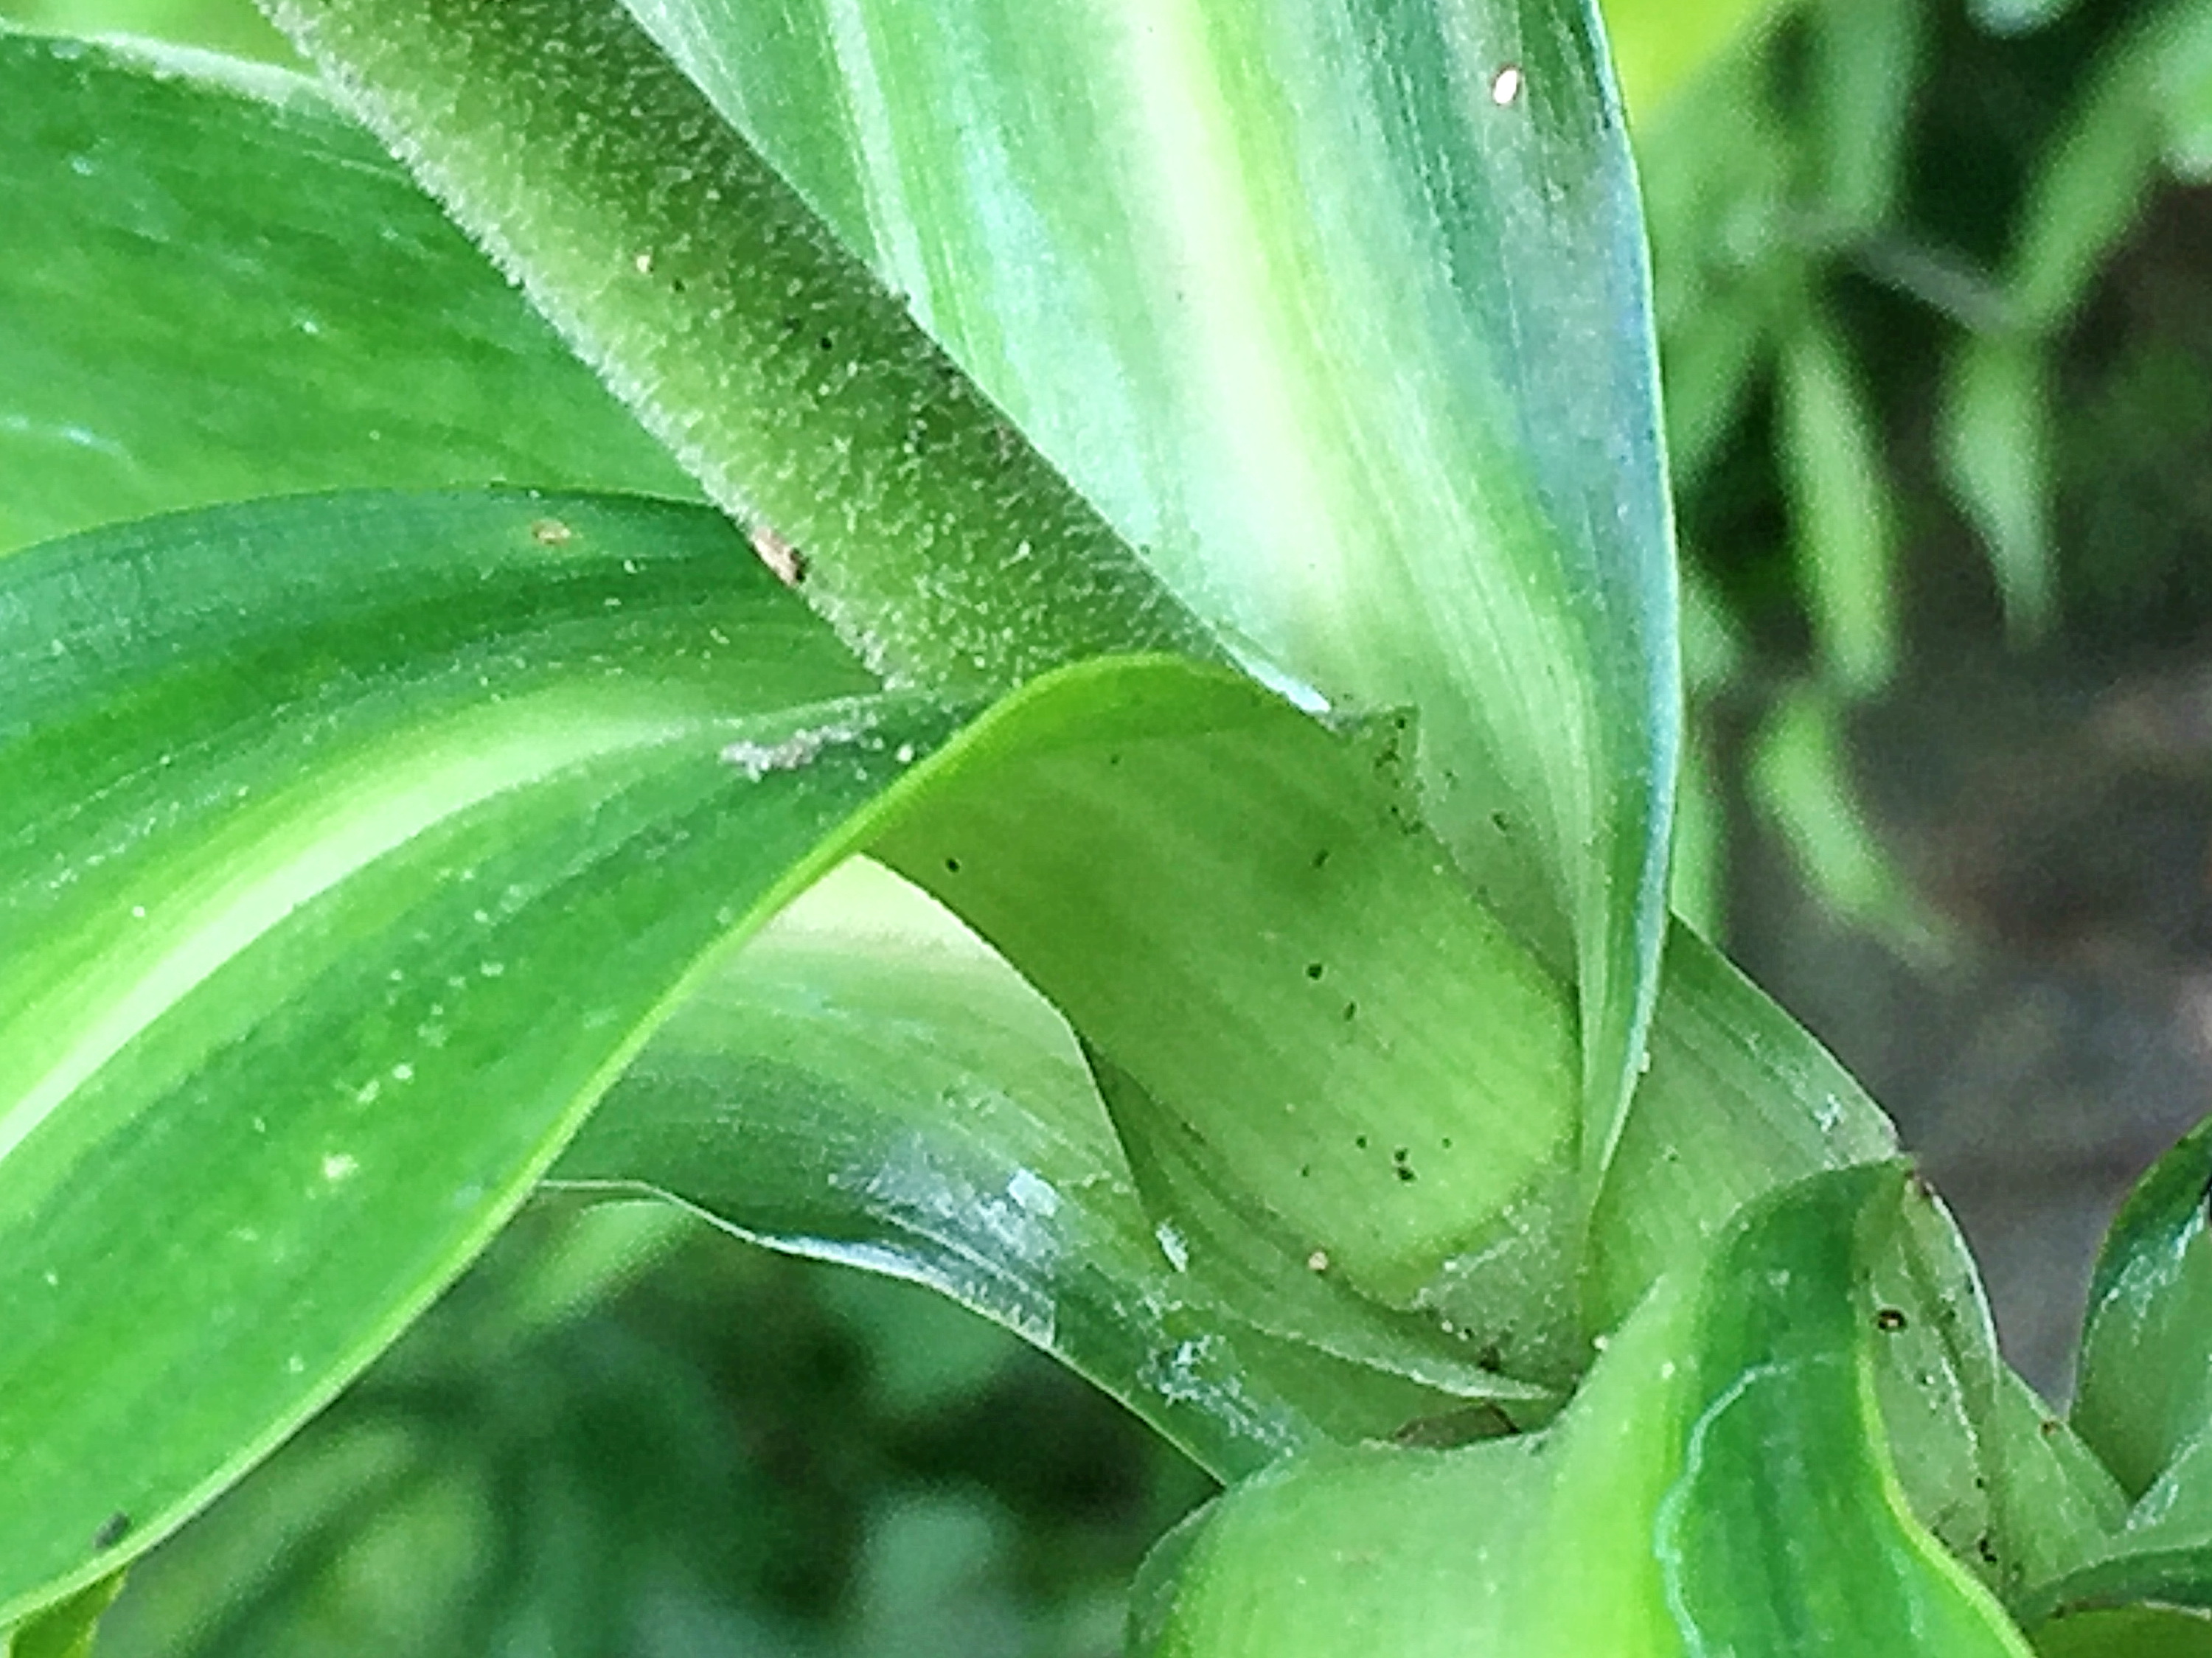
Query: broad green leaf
216	287
1838	505
1719	1485
796	387
351	844
2146	1368
67	1629
1246	920
1341	316
1994	442
867	1081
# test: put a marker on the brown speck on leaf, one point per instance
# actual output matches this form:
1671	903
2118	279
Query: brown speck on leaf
780	556
550	532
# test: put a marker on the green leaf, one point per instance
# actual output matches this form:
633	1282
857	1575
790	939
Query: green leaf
1864	58
1176	270
66	1629
1802	783
1839	505
1740	1099
1994	441
2146	1366
2017	16
340	332
2087	192
2185	100
1720	1484
793	385
1245	917
351	845
2129	1633
867	1081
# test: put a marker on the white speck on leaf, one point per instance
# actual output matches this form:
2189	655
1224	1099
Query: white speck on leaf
1506	88
1173	1247
340	1165
756	760
1033	1193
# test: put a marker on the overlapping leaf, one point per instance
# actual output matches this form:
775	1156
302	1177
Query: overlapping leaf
358	838
868	1083
1341	316
217	286
1719	1485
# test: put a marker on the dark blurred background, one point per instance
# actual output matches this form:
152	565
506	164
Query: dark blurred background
1935	308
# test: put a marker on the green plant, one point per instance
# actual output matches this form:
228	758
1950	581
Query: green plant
1200	527
1877	227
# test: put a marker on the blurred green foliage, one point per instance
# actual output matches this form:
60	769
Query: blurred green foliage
1930	381
1924	377
624	1433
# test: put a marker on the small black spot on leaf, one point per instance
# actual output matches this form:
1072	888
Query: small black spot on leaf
952	867
1350	1010
1313	969
113	1530
1360	1141
1889	1320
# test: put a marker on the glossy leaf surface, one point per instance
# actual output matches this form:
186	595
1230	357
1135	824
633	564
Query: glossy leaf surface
1176	274
359	838
216	287
867	1081
1719	1485
795	387
1225	219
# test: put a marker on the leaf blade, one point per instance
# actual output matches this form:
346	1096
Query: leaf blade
463	798
342	333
